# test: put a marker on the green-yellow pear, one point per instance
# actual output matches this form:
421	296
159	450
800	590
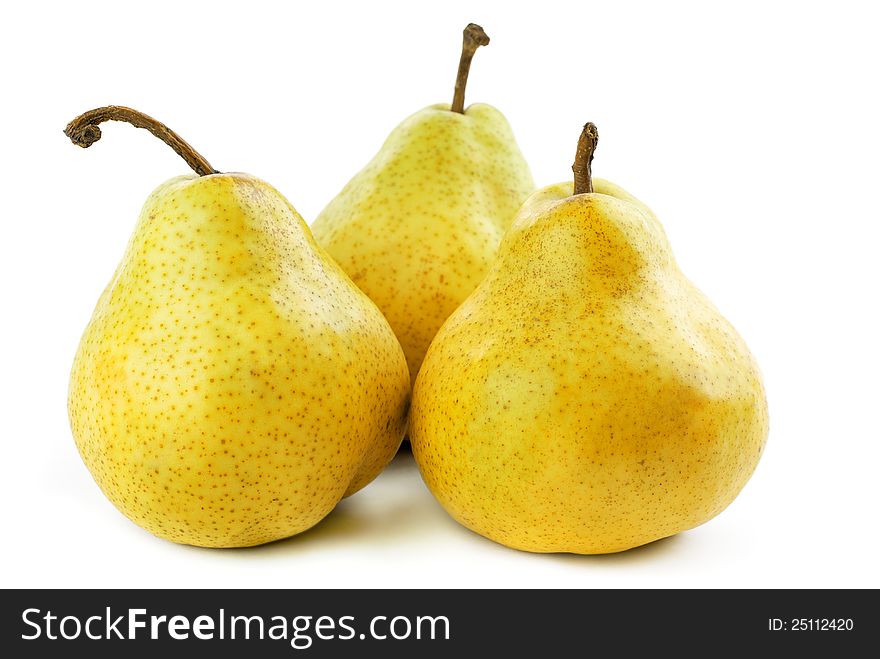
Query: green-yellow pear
233	383
419	226
586	398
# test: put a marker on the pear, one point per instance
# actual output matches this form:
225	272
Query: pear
233	383
419	226
587	397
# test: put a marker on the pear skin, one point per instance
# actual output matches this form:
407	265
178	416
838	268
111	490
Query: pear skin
419	226
587	397
233	383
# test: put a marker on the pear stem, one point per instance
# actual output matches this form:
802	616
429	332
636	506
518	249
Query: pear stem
84	131
474	37
583	159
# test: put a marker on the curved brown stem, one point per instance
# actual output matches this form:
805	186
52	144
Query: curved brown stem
583	159
474	37
84	131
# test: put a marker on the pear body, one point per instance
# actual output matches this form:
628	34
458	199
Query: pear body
587	397
419	226
233	384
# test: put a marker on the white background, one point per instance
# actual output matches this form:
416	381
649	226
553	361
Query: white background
751	131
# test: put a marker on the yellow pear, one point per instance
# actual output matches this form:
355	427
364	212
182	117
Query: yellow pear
419	226
587	397
233	384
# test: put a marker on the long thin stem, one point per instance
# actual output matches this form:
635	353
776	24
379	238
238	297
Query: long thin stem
85	131
583	159
474	37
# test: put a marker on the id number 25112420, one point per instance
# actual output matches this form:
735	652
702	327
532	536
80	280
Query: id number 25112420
810	625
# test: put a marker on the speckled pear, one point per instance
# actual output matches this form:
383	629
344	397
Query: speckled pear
419	226
233	383
587	397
